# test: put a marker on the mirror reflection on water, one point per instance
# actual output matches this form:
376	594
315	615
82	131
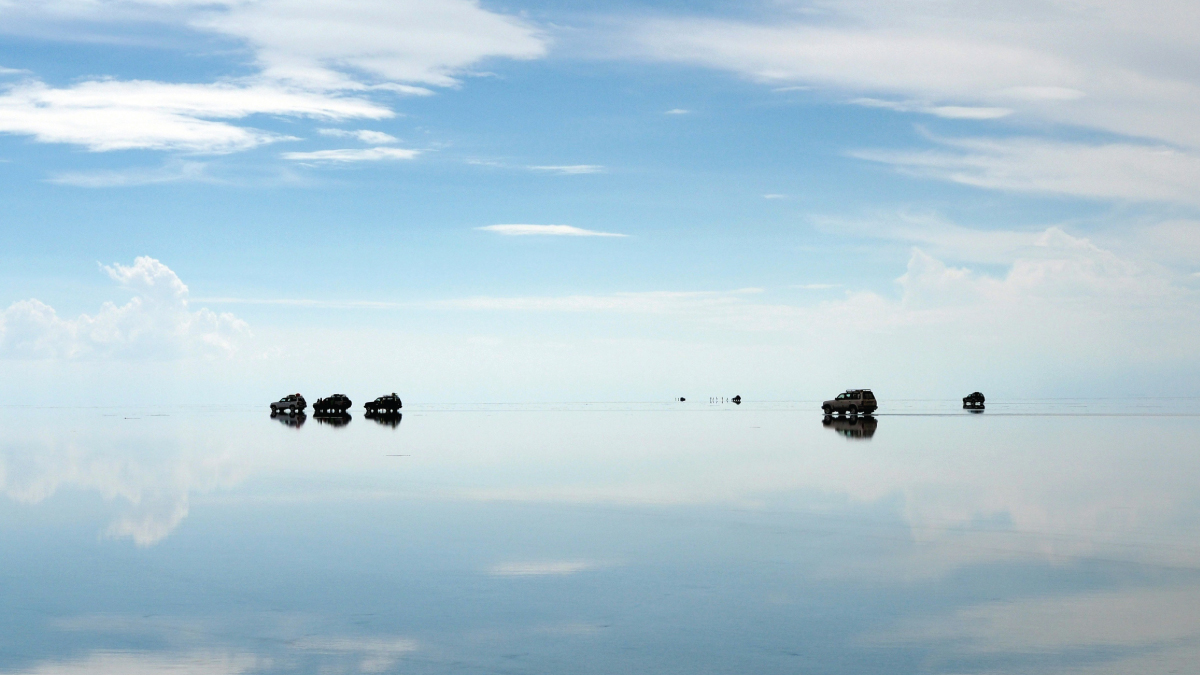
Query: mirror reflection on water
680	538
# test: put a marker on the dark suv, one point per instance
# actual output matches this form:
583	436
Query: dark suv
338	403
853	402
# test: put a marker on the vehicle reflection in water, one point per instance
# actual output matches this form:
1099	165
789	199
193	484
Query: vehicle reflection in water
334	419
855	428
385	418
290	419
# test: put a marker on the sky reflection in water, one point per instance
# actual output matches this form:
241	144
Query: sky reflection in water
676	538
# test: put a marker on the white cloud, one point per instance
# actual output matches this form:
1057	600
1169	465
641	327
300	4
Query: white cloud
171	173
564	169
153	476
423	41
551	230
119	115
309	54
346	155
1126	171
947	111
156	323
1039	64
1133	630
568	169
364	135
542	568
774	196
677	111
146	663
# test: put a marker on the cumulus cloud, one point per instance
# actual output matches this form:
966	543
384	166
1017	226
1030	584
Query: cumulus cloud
546	230
151	475
156	323
347	155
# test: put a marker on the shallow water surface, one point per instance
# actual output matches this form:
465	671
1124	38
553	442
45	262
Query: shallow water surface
1038	536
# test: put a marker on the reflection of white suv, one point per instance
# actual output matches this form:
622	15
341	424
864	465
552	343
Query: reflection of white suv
853	402
292	403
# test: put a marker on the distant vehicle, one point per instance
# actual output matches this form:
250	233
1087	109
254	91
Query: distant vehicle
389	404
737	400
973	400
337	403
852	402
291	403
853	428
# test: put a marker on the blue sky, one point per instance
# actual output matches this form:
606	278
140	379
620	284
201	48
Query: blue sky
922	197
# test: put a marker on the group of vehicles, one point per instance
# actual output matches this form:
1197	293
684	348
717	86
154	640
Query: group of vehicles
855	402
336	405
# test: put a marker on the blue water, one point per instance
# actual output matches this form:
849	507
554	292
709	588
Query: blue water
1038	536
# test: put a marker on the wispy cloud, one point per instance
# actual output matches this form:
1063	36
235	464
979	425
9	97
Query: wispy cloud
1077	66
173	173
773	195
563	169
542	568
364	135
1125	171
105	115
677	111
316	60
126	663
960	112
347	155
568	169
546	230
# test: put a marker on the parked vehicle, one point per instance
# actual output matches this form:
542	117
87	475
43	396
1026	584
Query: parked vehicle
852	402
390	403
973	400
337	403
292	403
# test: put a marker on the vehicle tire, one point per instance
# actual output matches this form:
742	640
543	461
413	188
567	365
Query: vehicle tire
853	411
827	409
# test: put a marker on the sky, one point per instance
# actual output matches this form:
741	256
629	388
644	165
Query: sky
570	201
